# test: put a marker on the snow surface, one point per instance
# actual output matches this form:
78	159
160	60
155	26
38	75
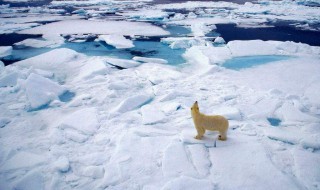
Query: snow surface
75	121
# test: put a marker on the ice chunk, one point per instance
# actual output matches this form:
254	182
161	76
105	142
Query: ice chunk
192	15
9	79
118	41
204	55
52	60
1	66
183	42
32	181
23	160
84	120
219	40
178	16
150	60
5	51
151	114
92	68
122	63
35	43
62	164
146	14
290	113
252	47
132	103
188	183
201	29
40	91
157	73
97	27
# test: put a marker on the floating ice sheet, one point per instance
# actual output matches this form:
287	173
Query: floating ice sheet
97	27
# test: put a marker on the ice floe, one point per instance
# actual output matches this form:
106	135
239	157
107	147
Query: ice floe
97	27
118	41
5	51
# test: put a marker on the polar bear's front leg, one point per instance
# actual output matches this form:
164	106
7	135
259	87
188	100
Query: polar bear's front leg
200	132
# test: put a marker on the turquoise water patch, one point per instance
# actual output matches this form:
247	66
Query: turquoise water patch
239	63
176	31
274	121
155	49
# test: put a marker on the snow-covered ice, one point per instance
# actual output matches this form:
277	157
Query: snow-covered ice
118	41
120	118
97	27
5	51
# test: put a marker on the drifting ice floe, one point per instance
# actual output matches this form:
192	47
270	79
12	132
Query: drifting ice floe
118	41
97	27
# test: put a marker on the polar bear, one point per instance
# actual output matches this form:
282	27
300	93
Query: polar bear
204	122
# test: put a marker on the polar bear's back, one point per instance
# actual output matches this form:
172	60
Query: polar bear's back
215	123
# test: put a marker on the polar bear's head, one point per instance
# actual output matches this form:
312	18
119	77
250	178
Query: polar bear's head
195	107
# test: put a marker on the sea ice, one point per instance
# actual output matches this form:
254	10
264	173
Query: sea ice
201	29
32	181
62	164
188	183
22	159
9	79
40	91
4	122
35	43
118	41
5	51
91	69
97	27
219	40
151	115
132	103
183	42
176	161
84	120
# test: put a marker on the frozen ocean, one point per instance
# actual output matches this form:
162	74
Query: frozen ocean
96	94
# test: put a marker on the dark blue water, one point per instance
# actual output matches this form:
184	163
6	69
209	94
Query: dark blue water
239	63
280	32
10	39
